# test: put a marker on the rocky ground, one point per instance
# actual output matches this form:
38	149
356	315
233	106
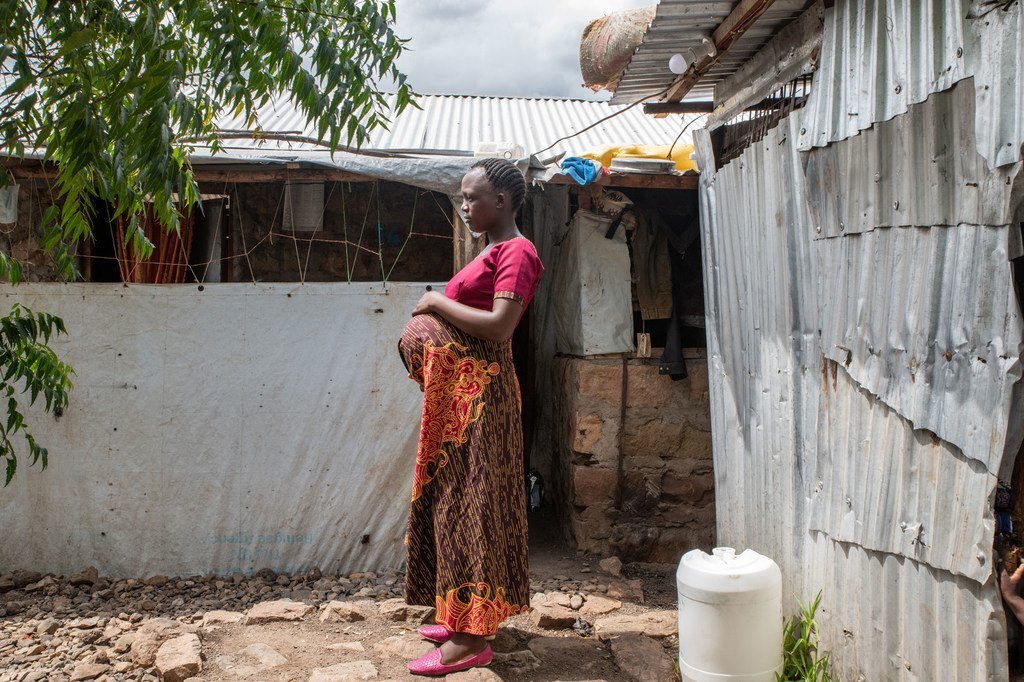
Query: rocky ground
591	620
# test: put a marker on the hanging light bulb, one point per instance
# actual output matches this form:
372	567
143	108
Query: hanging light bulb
677	64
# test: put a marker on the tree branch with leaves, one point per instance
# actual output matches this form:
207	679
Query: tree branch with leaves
117	94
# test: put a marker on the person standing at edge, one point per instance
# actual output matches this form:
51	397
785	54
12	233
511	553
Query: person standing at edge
466	540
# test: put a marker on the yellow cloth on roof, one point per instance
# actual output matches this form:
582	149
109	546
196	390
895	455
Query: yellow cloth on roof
680	154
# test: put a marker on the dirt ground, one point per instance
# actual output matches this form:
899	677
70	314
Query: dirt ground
42	641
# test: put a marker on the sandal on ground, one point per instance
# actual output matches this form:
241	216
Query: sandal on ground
430	664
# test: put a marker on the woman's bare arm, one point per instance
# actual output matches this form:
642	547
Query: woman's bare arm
496	324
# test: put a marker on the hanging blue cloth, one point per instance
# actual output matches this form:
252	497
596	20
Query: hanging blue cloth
583	171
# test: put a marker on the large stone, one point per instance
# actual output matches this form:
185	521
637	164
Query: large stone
593	485
552	616
587	433
7	584
347	611
277	611
406	646
221	618
642	659
600	380
653	624
596	605
612	566
397	610
356	671
649	389
694	489
151	636
180	658
88	671
89	576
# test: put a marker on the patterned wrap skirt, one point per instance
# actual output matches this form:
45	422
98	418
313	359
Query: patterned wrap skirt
467	534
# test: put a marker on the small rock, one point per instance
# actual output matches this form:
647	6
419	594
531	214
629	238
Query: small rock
576	602
221	617
85	577
612	566
124	643
84	623
397	610
252	660
599	606
643	659
276	611
346	611
627	590
149	638
267	575
474	675
355	671
653	624
42	584
87	671
47	627
157	580
552	616
7	584
147	605
23	578
179	658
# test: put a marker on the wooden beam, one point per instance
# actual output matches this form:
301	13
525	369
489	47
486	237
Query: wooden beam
743	16
31	169
276	173
659	108
637	180
791	53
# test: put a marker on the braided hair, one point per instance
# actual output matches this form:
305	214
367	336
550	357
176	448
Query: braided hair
505	177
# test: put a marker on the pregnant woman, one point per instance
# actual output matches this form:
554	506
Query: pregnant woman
467	527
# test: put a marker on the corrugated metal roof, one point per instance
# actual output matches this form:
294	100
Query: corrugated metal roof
678	26
883	56
456	124
862	402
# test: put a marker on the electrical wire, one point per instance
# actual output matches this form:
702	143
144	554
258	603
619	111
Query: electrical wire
606	118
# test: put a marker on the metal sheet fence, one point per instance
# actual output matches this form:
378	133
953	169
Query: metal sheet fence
865	474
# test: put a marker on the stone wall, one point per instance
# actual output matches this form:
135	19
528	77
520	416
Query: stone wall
374	218
637	483
22	239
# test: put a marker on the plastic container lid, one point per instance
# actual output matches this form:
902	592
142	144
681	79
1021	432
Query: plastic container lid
725	577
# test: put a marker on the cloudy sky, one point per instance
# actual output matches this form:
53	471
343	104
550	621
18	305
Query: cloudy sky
520	48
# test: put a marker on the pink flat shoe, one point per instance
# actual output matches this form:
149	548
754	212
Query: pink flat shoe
435	633
439	634
431	665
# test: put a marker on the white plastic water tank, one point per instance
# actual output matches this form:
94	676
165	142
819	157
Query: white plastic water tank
730	616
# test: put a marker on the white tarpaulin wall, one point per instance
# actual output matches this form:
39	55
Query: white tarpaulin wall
230	429
592	292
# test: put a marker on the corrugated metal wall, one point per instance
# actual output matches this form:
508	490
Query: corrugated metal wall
865	337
